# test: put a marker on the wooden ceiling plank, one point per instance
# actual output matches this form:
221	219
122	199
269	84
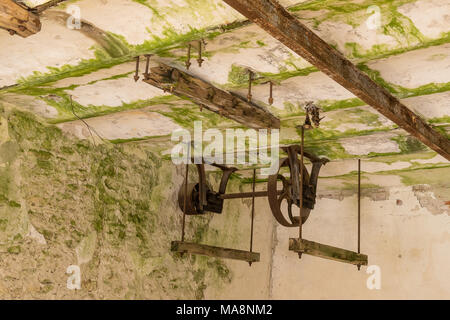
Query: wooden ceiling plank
17	19
277	21
214	99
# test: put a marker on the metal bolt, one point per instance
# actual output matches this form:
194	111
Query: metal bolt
250	79
271	93
200	60
188	62
147	65
136	75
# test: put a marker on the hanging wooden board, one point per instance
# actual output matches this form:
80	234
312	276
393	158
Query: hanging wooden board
327	252
217	252
214	99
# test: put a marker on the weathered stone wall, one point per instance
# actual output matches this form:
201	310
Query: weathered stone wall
108	209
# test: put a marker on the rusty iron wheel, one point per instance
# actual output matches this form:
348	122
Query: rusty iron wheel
192	203
276	198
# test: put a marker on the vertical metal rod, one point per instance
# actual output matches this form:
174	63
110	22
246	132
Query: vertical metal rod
136	75
250	79
271	93
253	213
359	209
300	222
147	66
188	62
185	193
200	60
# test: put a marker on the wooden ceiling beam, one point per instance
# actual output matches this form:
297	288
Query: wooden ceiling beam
277	21
17	19
214	99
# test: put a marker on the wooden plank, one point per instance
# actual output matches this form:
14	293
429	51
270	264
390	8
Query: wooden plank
206	95
278	22
218	252
17	19
42	7
327	252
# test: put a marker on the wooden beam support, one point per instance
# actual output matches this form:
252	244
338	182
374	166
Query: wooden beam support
17	19
42	7
206	95
327	252
217	252
278	22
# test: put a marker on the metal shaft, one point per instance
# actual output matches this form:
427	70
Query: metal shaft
250	79
300	222
185	195
359	208
253	212
136	75
242	195
188	61
147	66
271	92
301	180
200	60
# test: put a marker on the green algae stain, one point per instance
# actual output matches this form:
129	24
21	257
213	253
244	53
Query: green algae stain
238	76
402	92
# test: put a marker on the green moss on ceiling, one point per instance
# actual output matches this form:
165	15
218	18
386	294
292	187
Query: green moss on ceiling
402	92
437	177
409	144
188	113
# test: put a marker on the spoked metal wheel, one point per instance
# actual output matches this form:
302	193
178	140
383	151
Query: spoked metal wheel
290	193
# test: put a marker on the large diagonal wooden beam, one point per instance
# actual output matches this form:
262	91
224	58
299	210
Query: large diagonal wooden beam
277	21
206	95
17	19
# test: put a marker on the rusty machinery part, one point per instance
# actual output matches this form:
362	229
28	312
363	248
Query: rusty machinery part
200	196
193	207
290	192
287	194
313	111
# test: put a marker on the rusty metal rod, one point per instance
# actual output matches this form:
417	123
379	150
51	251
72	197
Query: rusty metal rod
200	60
271	92
136	75
359	209
241	195
185	195
253	213
188	61
301	187
250	79
147	66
